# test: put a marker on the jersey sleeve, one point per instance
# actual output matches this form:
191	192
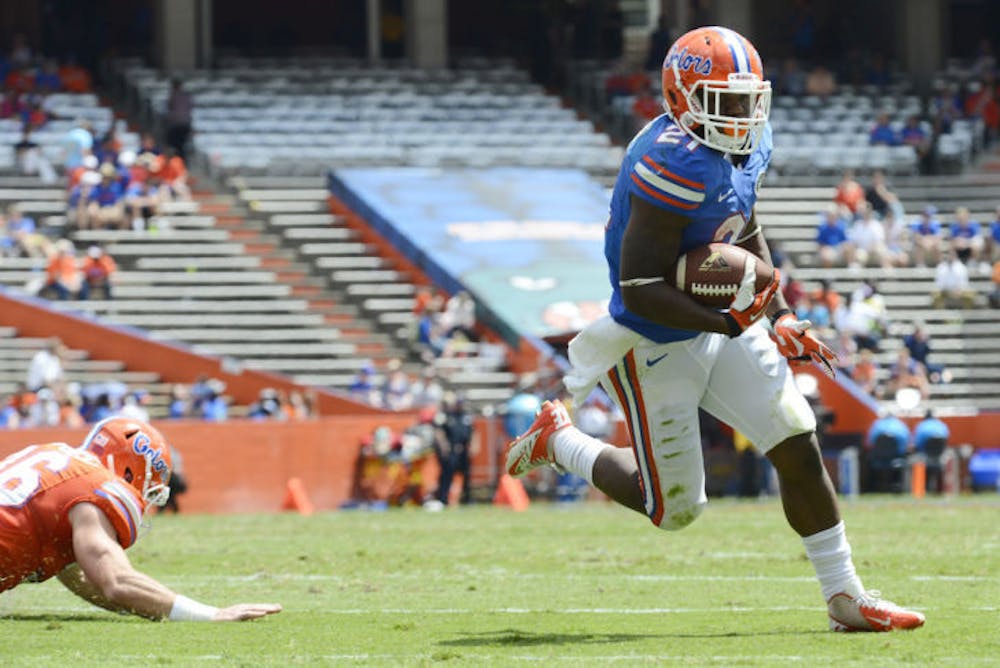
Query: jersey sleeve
669	179
123	508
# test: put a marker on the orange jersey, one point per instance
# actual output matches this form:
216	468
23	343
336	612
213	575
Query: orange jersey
38	487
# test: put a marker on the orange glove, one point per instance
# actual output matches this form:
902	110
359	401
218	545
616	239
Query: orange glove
798	344
748	306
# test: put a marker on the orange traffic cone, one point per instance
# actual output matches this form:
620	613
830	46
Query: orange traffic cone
510	492
296	497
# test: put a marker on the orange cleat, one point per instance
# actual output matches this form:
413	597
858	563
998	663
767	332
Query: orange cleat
531	449
869	612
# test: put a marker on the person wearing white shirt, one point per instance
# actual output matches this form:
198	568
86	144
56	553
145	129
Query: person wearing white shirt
46	369
951	283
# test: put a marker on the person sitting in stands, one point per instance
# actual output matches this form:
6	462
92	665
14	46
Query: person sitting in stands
98	272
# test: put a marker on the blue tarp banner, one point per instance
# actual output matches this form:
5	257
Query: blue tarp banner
527	243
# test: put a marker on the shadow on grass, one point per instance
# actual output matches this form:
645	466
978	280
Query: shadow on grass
57	619
520	638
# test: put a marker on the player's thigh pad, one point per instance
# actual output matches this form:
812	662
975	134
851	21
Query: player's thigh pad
752	389
658	387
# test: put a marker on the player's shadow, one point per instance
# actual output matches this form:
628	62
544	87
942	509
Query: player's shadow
521	638
53	619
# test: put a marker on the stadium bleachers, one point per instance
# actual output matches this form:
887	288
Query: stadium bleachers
323	113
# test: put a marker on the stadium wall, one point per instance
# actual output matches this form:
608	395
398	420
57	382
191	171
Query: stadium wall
243	466
31	317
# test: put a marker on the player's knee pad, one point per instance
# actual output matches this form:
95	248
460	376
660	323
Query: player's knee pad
679	513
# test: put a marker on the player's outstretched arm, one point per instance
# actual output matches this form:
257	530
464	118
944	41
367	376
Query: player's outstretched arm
104	576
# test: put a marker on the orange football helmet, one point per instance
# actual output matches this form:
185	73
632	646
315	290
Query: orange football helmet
134	451
714	88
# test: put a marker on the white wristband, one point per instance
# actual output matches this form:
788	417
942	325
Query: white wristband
186	610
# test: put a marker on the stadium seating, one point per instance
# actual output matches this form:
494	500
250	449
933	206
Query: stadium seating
325	113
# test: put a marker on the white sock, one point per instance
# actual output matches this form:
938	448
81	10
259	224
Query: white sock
830	554
576	452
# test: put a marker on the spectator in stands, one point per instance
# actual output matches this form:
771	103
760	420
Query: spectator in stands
298	405
431	333
106	205
951	283
173	173
99	271
179	405
646	106
427	390
863	319
897	239
178	117
993	239
31	160
865	373
945	108
927	239
918	342
881	197
660	40
212	404
877	73
825	294
142	201
46	367
821	82
907	372
79	197
395	390
792	80
63	276
849	192
867	238
22	235
75	78
134	405
981	103
45	411
69	409
966	238
78	142
994	297
815	312
913	134
47	79
831	237
846	349
362	386
268	406
791	289
882	133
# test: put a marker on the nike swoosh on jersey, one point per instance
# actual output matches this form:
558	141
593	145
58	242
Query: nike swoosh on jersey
725	195
653	360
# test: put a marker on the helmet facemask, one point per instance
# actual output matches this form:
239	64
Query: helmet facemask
711	106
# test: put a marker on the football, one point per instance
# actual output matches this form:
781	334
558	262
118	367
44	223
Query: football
711	274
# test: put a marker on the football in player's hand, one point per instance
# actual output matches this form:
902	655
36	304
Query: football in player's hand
711	274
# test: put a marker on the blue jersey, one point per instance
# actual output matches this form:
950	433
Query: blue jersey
666	167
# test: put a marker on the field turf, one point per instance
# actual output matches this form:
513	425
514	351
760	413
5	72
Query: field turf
586	585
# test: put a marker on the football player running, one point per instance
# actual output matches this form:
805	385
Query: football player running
72	512
691	177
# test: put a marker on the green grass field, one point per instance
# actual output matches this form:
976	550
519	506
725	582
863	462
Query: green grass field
590	585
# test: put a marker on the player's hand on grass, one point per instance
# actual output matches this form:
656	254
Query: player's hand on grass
244	611
799	345
748	306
